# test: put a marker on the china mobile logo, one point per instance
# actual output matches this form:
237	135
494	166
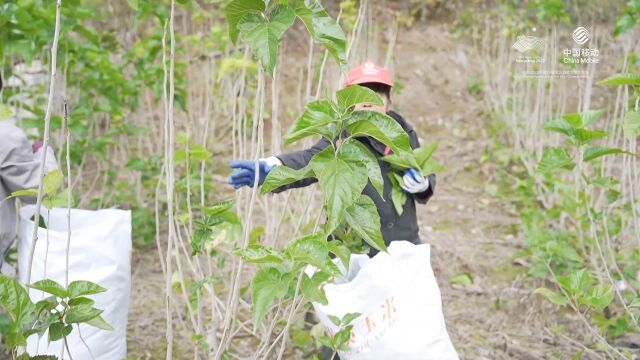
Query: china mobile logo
527	43
580	35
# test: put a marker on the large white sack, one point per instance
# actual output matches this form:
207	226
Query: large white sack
100	252
399	299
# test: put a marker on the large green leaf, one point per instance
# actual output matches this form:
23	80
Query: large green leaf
81	313
356	154
380	127
309	250
398	196
342	252
314	120
424	153
631	125
596	152
341	182
323	28
15	301
621	79
356	94
283	175
363	218
83	287
267	285
236	10
263	35
50	287
555	158
100	323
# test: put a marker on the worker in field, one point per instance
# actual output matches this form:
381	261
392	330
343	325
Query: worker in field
19	170
418	188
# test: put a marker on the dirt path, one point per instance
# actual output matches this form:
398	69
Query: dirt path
470	231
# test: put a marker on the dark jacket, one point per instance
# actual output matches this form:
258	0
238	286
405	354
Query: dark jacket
394	226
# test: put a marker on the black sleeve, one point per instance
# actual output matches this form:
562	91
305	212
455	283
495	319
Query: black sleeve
424	196
299	159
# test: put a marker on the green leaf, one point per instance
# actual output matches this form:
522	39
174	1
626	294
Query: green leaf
323	28
380	127
26	192
625	21
283	175
334	319
555	158
309	250
236	10
356	154
464	279
349	317
576	282
398	196
599	297
585	136
219	207
15	301
402	161
52	182
596	152
5	112
50	287
552	296
356	94
341	182
81	301
423	154
621	79
258	254
267	285
83	287
58	200
47	303
364	219
583	119
59	330
342	252
432	166
100	323
312	287
561	126
81	314
314	120
631	126
199	153
263	35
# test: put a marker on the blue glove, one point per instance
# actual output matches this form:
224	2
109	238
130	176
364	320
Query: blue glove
414	182
245	172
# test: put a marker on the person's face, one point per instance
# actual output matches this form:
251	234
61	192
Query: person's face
366	106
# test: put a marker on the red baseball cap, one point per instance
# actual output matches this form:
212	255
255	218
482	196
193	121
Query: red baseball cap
368	72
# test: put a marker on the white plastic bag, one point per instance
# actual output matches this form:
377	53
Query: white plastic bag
100	252
399	301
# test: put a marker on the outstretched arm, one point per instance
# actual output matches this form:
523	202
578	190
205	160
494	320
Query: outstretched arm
299	159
